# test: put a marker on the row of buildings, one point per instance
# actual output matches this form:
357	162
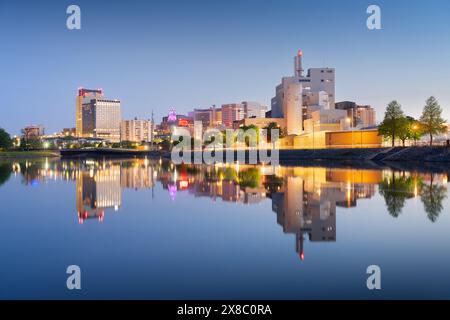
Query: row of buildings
100	117
303	106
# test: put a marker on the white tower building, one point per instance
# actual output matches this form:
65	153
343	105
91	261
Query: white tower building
293	108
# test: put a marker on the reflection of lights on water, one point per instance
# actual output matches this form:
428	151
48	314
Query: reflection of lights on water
116	208
184	184
172	191
349	193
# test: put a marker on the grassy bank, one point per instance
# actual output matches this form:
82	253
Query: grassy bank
28	154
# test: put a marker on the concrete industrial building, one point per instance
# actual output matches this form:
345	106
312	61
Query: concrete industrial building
362	116
307	104
317	80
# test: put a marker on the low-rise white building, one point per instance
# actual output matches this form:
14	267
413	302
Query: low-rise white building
136	130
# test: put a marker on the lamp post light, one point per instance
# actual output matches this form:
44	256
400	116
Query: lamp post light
350	122
314	140
447	141
415	127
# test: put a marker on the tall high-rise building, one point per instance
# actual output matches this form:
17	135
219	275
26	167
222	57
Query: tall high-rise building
136	130
101	118
84	95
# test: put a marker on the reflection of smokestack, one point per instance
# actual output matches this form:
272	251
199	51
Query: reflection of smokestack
299	245
298	64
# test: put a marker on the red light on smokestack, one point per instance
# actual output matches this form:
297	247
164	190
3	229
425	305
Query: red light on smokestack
300	53
302	256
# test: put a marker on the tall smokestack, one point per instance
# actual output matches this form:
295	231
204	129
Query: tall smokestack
298	64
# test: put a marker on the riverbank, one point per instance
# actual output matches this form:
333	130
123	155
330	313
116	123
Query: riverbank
108	153
28	154
395	154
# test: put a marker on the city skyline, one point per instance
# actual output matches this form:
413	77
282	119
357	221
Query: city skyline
383	65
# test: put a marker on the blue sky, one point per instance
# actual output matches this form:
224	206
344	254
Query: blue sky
192	54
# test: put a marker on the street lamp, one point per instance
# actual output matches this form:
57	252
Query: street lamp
415	127
350	122
447	142
313	125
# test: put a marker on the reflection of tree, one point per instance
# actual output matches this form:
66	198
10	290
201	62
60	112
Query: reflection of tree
5	172
395	191
432	196
250	178
30	171
227	173
273	183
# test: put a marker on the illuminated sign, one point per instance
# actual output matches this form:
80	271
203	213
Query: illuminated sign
183	122
172	115
184	184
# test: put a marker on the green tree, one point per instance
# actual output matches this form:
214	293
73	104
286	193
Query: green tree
245	130
165	145
393	121
431	120
5	139
30	143
415	129
270	127
409	129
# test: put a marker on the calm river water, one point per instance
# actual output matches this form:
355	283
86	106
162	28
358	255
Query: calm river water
147	229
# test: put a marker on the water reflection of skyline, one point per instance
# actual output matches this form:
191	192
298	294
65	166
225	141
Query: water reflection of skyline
304	199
